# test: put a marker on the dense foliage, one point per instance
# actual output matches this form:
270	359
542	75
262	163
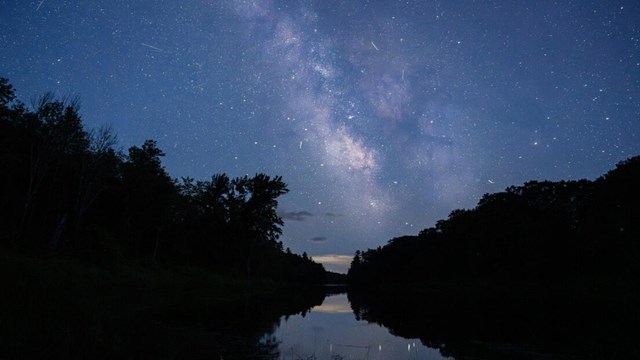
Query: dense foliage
554	265
541	233
67	190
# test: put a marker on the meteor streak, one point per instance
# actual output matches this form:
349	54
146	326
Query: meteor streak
152	47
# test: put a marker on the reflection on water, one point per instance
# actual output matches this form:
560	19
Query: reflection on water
334	305
331	331
319	323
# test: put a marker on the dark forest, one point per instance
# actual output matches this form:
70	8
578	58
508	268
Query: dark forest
543	233
554	265
71	192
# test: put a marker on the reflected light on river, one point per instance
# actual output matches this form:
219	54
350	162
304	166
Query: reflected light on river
331	331
334	305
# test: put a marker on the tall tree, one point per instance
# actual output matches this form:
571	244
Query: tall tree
150	194
97	167
55	135
254	215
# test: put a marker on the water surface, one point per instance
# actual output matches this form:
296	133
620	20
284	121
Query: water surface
331	331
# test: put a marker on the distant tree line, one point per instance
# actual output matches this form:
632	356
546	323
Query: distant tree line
66	190
541	233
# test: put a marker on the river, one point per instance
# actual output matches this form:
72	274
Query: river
322	323
331	331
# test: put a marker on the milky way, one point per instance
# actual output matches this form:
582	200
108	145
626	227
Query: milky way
381	116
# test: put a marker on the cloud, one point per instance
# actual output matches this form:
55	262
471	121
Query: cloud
296	215
334	262
318	239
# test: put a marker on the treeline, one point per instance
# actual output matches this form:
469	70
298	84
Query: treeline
541	234
553	266
66	190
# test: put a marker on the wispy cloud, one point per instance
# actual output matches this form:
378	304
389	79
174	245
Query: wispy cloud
296	215
318	239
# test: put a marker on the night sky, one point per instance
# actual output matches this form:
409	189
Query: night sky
381	116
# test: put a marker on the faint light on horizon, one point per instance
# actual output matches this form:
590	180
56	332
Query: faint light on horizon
334	262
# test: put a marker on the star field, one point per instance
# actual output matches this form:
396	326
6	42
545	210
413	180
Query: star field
382	116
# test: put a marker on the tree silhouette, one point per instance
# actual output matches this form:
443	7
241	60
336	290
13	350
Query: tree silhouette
542	233
149	194
7	94
65	189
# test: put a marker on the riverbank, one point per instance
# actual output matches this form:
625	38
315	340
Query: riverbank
54	307
595	318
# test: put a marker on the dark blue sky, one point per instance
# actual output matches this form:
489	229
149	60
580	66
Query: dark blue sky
382	116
